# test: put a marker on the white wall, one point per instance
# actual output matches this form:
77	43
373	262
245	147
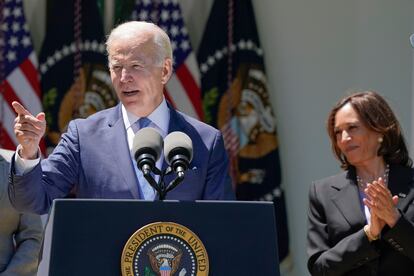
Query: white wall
314	52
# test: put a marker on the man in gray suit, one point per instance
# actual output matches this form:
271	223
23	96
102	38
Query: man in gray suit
20	233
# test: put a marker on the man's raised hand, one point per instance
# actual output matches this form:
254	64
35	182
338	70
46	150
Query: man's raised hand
29	130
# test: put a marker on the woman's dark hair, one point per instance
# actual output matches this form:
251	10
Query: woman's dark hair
376	114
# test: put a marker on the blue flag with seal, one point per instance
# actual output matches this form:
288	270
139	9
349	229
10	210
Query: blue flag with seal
236	100
74	77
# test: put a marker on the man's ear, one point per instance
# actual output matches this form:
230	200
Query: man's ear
166	71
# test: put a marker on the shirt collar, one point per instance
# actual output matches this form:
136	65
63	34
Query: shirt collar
160	117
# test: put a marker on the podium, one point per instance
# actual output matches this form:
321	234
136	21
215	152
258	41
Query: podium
96	237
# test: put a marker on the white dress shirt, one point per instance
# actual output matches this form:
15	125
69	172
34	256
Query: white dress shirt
160	119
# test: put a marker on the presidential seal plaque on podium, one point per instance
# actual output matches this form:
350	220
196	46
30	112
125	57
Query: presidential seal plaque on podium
104	237
165	249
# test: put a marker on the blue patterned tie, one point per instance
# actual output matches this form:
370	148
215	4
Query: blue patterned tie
140	123
146	189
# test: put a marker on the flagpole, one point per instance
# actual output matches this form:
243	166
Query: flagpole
109	10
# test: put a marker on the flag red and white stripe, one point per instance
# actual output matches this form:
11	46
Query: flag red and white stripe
183	89
19	75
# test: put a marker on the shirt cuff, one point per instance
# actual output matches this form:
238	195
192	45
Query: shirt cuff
23	166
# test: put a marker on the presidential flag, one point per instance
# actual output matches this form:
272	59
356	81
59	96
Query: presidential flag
183	89
73	65
18	70
236	100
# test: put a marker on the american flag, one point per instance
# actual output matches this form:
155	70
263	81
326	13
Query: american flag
18	69
230	132
183	89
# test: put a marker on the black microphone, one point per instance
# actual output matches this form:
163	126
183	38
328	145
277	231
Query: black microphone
178	151
146	148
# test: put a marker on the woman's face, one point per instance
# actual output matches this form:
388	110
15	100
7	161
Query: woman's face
358	143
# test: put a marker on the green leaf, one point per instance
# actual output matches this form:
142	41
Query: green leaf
209	100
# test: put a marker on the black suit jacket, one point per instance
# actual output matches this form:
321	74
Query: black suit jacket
337	244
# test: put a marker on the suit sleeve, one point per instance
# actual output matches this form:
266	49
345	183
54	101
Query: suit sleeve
218	182
326	258
52	178
28	238
400	237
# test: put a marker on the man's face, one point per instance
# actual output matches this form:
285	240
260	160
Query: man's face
137	78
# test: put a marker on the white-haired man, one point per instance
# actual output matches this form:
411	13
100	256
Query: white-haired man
94	157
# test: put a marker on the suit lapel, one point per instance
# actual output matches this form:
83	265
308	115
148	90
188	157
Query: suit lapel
345	194
400	184
117	138
177	123
346	199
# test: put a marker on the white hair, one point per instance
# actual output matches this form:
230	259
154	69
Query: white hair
133	28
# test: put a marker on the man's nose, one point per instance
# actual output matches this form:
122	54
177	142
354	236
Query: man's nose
125	75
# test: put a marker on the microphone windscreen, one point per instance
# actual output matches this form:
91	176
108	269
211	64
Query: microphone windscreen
412	40
147	137
175	140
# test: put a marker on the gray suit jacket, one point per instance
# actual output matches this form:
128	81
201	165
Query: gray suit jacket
20	234
337	244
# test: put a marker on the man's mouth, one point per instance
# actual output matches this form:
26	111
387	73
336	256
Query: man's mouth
130	93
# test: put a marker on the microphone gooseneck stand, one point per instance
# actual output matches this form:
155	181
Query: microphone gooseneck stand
160	187
178	150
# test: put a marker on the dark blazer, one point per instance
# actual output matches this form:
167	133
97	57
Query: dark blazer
94	158
337	244
20	233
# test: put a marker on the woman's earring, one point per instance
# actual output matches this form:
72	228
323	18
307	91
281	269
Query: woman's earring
380	140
